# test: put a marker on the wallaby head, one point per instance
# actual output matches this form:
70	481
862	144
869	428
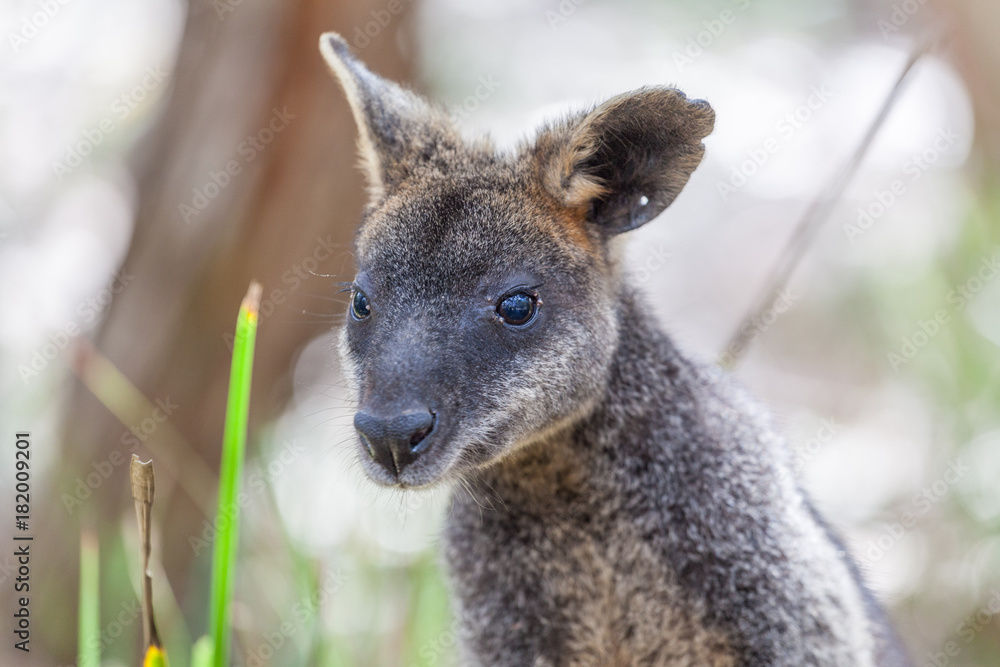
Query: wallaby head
483	314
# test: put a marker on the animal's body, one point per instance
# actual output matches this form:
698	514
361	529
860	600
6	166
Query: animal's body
620	504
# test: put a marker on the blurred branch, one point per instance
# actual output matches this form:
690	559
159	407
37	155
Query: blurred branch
814	217
131	407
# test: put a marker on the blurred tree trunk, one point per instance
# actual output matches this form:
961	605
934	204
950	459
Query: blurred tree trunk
976	51
244	69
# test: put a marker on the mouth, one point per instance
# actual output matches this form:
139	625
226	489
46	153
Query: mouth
431	472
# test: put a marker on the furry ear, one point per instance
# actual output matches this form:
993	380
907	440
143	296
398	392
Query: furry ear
398	131
624	162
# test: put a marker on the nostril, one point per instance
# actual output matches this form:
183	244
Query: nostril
368	445
395	442
418	436
421	434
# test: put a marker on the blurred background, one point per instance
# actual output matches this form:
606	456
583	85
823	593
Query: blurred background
156	155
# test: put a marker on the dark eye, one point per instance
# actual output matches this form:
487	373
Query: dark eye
517	309
359	305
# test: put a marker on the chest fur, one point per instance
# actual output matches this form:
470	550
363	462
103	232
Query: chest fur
572	587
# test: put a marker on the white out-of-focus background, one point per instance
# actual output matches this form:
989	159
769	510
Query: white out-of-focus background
157	155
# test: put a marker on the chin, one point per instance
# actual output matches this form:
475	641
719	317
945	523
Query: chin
431	471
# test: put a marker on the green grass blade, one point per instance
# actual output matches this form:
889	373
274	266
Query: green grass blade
201	652
89	636
234	442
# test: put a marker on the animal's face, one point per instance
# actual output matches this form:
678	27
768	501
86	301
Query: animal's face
483	313
475	324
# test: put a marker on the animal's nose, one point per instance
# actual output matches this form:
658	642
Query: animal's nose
395	441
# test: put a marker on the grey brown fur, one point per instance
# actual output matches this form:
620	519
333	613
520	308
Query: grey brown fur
619	504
